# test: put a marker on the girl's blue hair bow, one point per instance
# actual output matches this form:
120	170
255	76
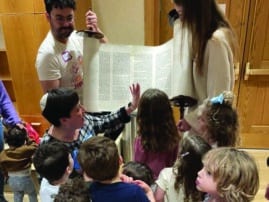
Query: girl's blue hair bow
218	99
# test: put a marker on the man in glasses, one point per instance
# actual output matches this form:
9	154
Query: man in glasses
59	58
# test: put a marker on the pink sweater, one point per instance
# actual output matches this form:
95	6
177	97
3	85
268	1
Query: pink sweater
155	160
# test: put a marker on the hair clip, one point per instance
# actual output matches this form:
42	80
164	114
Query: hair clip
218	99
184	154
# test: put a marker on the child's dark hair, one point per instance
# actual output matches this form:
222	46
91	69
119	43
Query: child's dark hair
189	162
156	124
58	104
51	160
75	189
16	136
50	4
138	171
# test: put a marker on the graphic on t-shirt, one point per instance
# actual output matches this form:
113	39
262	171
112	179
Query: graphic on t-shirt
66	55
76	71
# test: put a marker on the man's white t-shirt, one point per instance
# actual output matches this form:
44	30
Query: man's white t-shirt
56	60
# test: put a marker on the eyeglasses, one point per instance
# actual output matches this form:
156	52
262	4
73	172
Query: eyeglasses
61	19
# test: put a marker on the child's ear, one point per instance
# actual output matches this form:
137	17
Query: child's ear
69	170
86	177
63	120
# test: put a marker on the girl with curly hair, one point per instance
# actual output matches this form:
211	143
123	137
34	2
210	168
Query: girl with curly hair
217	121
229	174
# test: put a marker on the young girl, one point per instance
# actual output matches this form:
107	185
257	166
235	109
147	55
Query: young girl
157	141
217	121
228	175
178	182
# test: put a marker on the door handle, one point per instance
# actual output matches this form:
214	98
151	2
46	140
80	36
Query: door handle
249	71
236	70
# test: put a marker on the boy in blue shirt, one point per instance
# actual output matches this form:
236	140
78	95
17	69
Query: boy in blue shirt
99	160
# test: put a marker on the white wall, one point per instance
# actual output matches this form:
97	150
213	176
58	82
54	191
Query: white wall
122	21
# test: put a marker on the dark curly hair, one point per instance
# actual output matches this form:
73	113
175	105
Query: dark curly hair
75	189
223	124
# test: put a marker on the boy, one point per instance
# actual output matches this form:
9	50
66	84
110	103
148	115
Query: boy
16	162
54	163
100	160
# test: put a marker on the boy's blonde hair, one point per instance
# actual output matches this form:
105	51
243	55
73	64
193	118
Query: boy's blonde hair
235	173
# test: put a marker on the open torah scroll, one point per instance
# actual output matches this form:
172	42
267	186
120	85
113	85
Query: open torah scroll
109	69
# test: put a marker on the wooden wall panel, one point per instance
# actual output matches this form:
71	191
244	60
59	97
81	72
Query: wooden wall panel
15	6
21	51
82	8
39	6
152	24
24	27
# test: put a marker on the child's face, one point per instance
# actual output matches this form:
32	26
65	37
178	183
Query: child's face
205	182
202	123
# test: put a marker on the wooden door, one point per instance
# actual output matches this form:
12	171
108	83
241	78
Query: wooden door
253	95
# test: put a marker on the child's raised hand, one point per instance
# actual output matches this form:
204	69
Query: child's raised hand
135	91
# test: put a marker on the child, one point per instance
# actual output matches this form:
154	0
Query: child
157	141
16	162
138	171
54	163
217	121
100	160
73	190
8	117
178	182
228	175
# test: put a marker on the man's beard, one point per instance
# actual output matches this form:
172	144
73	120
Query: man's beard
64	32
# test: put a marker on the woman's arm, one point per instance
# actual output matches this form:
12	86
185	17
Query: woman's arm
7	108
